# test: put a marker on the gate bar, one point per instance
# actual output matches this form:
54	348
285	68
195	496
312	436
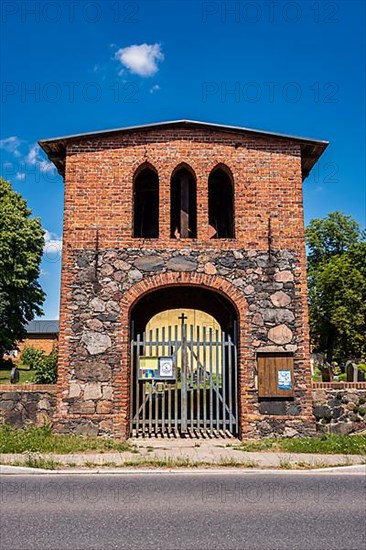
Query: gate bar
217	381
191	403
163	393
176	385
183	391
223	381
198	382
230	384
204	380
132	375
155	393
236	382
169	385
150	387
211	382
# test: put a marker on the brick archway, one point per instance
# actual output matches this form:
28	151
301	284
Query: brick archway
163	280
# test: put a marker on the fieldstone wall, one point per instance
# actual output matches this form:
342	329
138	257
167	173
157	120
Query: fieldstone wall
21	405
340	411
268	282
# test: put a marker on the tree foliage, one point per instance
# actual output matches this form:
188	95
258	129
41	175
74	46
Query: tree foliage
337	286
21	247
331	236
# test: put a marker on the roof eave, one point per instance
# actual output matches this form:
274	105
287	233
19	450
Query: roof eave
311	149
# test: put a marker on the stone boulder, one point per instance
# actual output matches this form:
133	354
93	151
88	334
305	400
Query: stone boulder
278	316
280	299
283	277
280	335
182	263
91	371
92	390
149	263
96	342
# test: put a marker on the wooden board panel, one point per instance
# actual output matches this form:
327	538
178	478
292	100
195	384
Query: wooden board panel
269	366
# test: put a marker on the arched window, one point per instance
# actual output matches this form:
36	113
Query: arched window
183	205
221	204
146	204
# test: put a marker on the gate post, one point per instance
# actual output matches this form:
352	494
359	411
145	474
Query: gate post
184	374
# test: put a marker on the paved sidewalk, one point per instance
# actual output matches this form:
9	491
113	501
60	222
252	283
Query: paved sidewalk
180	452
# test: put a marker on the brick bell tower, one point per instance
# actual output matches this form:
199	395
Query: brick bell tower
181	215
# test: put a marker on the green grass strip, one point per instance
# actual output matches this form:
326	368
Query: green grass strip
42	440
326	444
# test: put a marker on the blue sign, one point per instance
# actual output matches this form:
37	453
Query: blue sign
284	380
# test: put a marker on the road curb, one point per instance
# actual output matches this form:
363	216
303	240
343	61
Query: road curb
8	470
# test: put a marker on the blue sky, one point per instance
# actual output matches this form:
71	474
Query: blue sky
292	67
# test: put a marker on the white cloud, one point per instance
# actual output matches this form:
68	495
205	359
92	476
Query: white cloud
32	155
11	145
141	59
53	246
34	159
154	88
49	237
45	166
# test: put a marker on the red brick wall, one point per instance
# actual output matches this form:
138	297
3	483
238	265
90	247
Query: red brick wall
267	180
44	343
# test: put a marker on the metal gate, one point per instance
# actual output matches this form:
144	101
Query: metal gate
202	399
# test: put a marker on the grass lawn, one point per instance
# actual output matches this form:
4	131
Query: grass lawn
326	444
42	440
25	374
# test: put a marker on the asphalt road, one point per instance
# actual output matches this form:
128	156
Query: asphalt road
183	511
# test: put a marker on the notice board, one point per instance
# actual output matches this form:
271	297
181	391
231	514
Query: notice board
275	374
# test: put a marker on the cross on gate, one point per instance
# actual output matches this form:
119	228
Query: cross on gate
183	318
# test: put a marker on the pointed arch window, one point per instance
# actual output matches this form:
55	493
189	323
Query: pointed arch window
146	204
183	205
221	204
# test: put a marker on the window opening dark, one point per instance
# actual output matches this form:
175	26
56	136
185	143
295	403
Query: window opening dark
146	205
183	208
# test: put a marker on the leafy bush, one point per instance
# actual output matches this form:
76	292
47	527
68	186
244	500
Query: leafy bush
47	368
30	357
342	377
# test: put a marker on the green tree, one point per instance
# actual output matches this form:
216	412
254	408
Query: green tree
21	247
330	236
337	286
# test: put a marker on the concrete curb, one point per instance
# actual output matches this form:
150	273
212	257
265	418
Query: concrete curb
6	470
194	456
